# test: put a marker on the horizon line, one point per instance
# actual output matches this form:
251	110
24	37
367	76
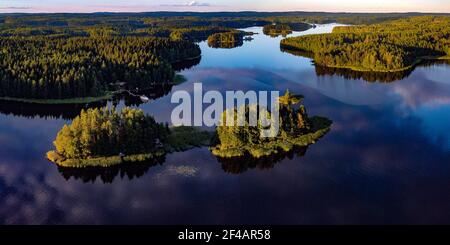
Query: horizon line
228	11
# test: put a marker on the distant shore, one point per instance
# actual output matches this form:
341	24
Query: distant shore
178	79
417	62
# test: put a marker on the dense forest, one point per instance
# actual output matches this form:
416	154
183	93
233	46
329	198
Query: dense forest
108	132
195	34
226	40
300	26
191	19
388	46
72	56
163	24
61	68
297	129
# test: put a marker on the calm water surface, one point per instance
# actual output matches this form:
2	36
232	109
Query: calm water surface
385	161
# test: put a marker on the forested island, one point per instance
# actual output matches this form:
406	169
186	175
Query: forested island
284	29
276	30
226	39
390	46
297	129
108	137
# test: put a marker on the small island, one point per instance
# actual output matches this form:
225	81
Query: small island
296	130
276	30
228	40
284	29
391	46
107	137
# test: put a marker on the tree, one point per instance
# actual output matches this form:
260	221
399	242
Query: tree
108	132
287	101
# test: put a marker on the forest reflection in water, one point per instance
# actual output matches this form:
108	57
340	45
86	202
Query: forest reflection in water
46	111
383	77
186	64
132	171
227	45
70	111
108	175
241	165
368	76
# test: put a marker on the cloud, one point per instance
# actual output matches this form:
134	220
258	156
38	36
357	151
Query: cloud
196	4
423	93
14	8
189	4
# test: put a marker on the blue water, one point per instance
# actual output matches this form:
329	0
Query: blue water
385	161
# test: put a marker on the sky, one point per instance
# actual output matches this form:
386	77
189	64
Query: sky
9	6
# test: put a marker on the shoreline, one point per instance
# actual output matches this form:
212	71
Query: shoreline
103	162
72	101
410	67
181	139
86	100
187	59
416	63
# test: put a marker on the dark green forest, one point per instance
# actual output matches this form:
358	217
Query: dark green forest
74	57
384	47
61	68
107	132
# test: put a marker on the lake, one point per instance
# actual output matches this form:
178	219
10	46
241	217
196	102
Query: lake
385	161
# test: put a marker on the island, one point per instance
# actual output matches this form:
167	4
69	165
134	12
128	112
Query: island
390	46
296	130
228	40
284	29
105	137
276	30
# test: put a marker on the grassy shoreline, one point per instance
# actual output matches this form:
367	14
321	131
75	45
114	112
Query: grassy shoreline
84	100
321	126
181	139
416	63
103	162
